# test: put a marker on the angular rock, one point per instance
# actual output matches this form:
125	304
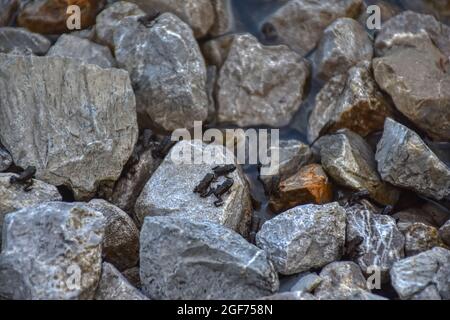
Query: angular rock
82	49
19	39
260	85
167	71
304	237
307	283
108	20
224	19
298	295
215	51
300	23
185	259
349	160
351	100
121	240
51	251
7	10
429	293
170	189
5	159
344	44
75	123
309	185
420	237
114	286
444	232
402	156
411	276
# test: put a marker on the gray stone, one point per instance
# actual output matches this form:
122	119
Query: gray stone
402	156
88	34
307	283
5	159
170	189
121	240
444	232
211	72
429	293
224	19
260	85
82	49
298	295
412	275
20	39
351	100
183	259
304	237
75	123
51	251
420	237
114	286
300	23
350	161
7	10
344	44
215	51
167	71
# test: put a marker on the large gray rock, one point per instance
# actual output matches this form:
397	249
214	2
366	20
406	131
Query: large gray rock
224	19
444	232
75	123
167	71
114	286
350	100
22	40
414	275
260	85
420	237
121	240
7	10
304	237
402	156
51	251
5	159
170	189
82	49
183	259
300	23
350	161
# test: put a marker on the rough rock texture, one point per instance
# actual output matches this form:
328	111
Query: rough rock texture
351	100
304	237
425	100
211	72
382	243
298	295
260	85
224	19
344	44
430	213
5	159
307	283
170	189
114	286
51	251
75	123
420	237
183	259
198	14
19	39
215	51
121	241
82	49
167	71
132	276
309	185
349	160
49	16
108	20
7	10
402	156
444	232
414	275
300	23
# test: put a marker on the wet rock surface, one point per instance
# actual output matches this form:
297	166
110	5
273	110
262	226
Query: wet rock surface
183	259
420	237
19	39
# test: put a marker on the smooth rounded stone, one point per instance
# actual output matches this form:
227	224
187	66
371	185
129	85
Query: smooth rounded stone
20	39
303	238
5	159
51	251
82	49
350	162
351	100
300	23
198	14
298	295
75	123
402	156
114	286
170	189
344	44
309	185
167	71
50	17
260	85
108	20
413	275
308	283
444	232
224	18
382	243
424	100
420	237
121	240
186	259
215	51
7	10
